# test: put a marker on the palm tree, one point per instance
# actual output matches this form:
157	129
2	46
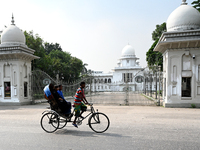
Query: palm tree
84	71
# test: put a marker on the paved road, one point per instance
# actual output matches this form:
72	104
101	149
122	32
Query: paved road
132	127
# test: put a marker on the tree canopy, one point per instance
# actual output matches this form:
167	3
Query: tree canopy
53	60
196	4
158	31
50	46
152	57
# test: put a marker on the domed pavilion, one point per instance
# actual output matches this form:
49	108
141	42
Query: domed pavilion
180	47
15	67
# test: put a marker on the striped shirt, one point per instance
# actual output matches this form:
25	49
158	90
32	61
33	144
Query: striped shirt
79	96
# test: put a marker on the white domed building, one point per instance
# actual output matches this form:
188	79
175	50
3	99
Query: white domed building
15	67
126	71
180	47
127	74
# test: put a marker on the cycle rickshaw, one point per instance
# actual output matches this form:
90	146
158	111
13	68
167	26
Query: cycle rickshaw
52	119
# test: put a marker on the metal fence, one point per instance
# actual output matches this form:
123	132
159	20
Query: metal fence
40	79
151	94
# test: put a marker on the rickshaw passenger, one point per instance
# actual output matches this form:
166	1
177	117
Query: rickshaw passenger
67	105
55	99
49	96
61	104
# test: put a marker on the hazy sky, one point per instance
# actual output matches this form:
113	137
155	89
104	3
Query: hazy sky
94	31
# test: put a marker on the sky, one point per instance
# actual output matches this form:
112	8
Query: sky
94	31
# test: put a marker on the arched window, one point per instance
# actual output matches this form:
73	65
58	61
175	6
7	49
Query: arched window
109	80
105	80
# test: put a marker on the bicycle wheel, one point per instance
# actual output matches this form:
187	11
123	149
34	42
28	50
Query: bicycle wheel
62	123
49	122
99	122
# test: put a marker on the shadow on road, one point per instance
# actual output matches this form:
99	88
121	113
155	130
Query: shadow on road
87	133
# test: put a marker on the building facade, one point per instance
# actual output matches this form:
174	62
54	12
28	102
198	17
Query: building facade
127	76
15	67
180	47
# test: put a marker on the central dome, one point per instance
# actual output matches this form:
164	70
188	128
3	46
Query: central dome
128	50
185	17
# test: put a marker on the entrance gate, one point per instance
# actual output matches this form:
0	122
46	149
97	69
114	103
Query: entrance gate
40	79
150	95
120	98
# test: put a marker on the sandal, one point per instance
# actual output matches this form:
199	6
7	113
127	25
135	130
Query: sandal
75	125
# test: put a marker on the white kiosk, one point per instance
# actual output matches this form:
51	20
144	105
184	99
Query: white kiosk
15	67
180	47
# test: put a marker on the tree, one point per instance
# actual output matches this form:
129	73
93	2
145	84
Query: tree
84	70
196	4
152	57
49	47
53	60
36	43
158	31
67	66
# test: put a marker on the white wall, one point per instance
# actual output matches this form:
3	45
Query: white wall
174	60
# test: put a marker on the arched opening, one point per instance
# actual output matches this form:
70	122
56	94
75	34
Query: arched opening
186	75
105	80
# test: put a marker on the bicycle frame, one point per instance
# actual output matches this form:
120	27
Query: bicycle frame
92	112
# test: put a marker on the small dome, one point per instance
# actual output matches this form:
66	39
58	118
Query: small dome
185	17
12	36
128	50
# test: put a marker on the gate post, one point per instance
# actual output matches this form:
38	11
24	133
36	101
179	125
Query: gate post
90	85
158	103
31	91
150	85
144	85
156	83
